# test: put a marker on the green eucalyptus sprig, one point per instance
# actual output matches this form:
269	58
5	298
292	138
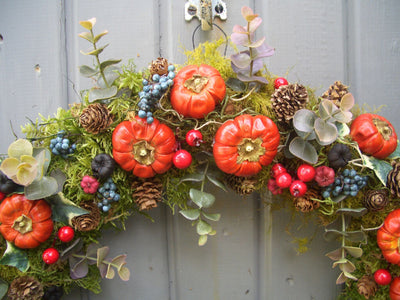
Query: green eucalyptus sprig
104	72
202	200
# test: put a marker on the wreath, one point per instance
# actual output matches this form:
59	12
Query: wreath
163	135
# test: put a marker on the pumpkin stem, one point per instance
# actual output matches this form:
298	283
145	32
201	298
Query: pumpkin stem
196	84
143	153
383	128
23	224
250	150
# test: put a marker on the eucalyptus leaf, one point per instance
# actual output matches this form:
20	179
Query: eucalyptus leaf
103	269
99	93
341	279
108	63
254	24
15	257
332	235
348	267
40	189
124	273
326	109
303	150
214	180
350	276
303	120
110	272
212	217
356	252
339	262
356	236
347	102
202	199
78	267
87	71
64	210
190	214
3	288
91	251
88	24
339	198
111	73
239	38
307	136
380	167
60	177
255	44
337	223
326	132
95	52
241	60
75	247
119	260
203	240
354	212
246	78
102	254
203	227
263	51
235	85
335	254
20	147
343	116
196	177
87	36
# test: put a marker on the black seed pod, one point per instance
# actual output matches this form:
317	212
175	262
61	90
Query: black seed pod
7	186
103	165
339	156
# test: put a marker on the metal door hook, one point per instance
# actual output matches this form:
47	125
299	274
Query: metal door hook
205	10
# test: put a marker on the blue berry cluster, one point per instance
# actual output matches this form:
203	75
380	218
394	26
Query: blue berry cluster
62	145
107	194
348	183
152	92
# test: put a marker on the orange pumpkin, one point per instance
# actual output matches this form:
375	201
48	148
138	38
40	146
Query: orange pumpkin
26	223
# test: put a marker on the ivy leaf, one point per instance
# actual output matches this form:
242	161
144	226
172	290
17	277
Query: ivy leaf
40	189
190	214
303	150
202	199
15	257
380	167
343	129
63	209
203	227
396	153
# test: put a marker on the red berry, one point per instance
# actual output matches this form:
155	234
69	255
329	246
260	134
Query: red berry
283	180
182	159
306	172
50	256
194	138
273	187
298	188
277	169
382	277
66	234
279	82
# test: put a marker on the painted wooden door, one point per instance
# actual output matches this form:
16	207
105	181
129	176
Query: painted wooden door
252	257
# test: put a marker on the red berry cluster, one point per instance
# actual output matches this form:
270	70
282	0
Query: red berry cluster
182	158
51	255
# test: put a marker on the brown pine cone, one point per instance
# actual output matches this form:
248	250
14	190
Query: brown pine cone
159	66
89	221
241	185
25	288
366	286
375	200
335	92
96	118
147	193
393	180
287	100
305	203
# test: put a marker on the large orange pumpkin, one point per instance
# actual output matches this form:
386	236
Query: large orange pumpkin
26	223
388	237
245	144
145	149
197	90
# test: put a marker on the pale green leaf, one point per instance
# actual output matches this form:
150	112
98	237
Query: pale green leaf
110	272
326	132
203	227
343	116
356	252
88	24
356	236
26	174
9	166
304	119
354	212
87	71
15	257
78	267
326	109
335	254
43	158
347	102
111	73
108	63
340	261
202	240
99	36
87	36
214	180
212	232
102	254
303	150
212	217
350	276
119	260
190	214
95	52
20	147
3	288
380	167
196	177
348	267
40	189
124	273
341	279
202	199
343	129
99	94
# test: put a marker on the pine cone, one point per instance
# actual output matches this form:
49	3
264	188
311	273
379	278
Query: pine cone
96	118
335	92
147	192
366	286
25	288
375	200
89	221
241	185
287	100
305	203
393	180
159	66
